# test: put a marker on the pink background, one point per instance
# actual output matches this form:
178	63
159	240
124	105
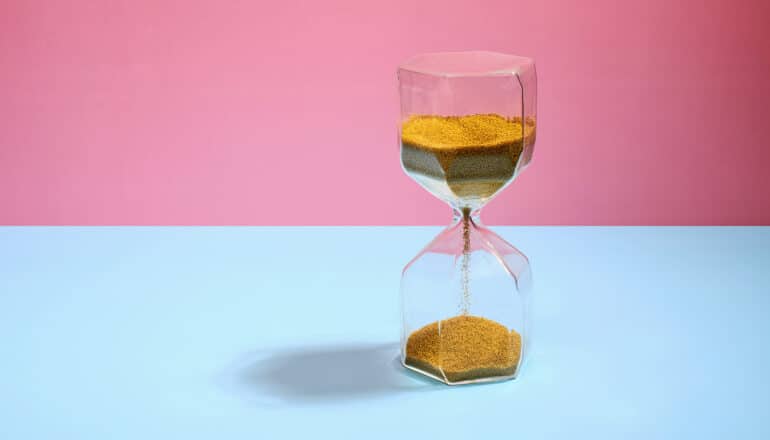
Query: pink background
284	112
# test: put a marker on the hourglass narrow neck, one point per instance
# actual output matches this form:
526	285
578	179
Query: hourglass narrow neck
459	214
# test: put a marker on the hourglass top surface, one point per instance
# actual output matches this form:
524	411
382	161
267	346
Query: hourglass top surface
468	63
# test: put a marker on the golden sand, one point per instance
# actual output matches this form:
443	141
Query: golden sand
467	348
475	155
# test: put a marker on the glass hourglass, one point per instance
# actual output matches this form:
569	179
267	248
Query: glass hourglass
467	129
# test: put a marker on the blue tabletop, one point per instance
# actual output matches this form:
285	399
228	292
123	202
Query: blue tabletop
281	332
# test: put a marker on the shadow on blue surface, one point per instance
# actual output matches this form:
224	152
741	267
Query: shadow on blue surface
326	374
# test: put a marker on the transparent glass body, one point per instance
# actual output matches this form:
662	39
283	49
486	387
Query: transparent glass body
467	129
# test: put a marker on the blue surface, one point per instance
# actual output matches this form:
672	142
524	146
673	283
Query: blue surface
129	333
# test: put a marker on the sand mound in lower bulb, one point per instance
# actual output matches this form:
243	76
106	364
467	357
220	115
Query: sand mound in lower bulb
467	348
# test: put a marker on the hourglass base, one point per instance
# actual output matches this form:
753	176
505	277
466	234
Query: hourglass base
452	379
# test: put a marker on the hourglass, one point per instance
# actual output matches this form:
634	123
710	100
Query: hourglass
467	129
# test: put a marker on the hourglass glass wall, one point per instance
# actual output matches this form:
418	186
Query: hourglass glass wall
467	129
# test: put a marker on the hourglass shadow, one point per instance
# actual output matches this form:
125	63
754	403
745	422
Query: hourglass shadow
323	374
